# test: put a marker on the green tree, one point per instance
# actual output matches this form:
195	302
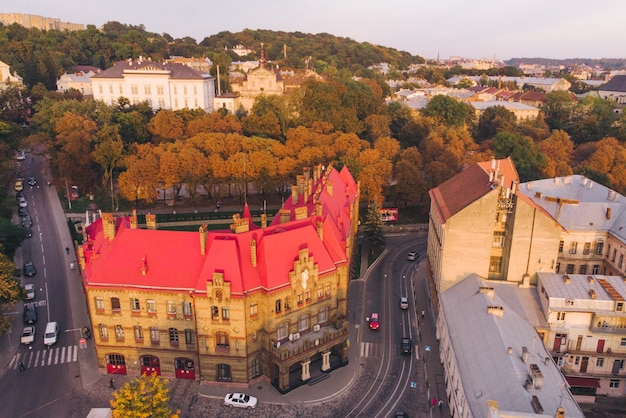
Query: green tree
373	230
493	120
11	237
527	158
410	185
143	397
445	110
557	108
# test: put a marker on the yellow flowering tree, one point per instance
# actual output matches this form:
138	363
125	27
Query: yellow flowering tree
144	397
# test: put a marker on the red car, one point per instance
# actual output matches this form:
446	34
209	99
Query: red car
374	320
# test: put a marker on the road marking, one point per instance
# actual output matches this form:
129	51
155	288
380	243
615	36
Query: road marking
56	355
370	350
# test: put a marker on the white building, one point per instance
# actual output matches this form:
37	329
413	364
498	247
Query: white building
78	80
163	85
586	316
6	78
495	362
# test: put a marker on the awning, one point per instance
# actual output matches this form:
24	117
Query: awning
585	382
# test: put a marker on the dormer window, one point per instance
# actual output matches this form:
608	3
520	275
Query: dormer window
619	307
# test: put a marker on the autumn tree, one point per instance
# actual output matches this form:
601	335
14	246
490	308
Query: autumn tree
409	186
495	119
375	174
108	152
558	149
140	181
377	126
214	122
10	290
143	397
608	158
166	126
280	106
267	125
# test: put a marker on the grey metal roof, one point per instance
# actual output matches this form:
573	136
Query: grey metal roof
176	70
579	285
617	83
505	104
585	205
487	371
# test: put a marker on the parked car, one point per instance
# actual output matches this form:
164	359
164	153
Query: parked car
374	321
20	156
22	211
19	194
27	221
51	333
22	202
19	185
28	335
240	400
413	255
32	181
404	302
30	313
29	269
30	291
406	345
29	232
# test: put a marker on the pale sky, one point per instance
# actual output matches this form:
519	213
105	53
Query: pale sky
467	28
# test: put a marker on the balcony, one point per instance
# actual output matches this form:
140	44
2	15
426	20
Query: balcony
309	341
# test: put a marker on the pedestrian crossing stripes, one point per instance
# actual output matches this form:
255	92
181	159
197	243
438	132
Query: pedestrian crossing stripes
370	350
46	357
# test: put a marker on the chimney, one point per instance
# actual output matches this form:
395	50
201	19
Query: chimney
240	224
566	279
133	220
144	265
318	208
525	354
590	279
301	212
536	375
285	215
320	230
263	220
608	213
203	235
108	225
509	350
151	221
592	293
294	195
329	187
560	412
497	311
488	291
253	252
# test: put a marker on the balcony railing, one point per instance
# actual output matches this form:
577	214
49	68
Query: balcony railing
308	341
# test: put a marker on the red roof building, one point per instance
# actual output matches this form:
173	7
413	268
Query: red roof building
227	306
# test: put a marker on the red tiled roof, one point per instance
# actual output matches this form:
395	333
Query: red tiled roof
173	259
457	193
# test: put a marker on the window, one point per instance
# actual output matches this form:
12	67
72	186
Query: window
303	323
111	89
171	308
322	315
557	267
495	265
115	305
327	289
256	368
614	255
621	261
190	338
572	247
225	313
134	305
300	299
173	332
119	333
561	244
104	332
187	309
308	295
154	335
614	383
320	292
582	269
619	307
560	316
569	269
147	90
622	342
221	339
99	305
254	309
599	248
282	330
278	306
596	269
223	372
600	362
185	90
175	90
100	88
215	313
587	249
134	89
498	239
151	306
577	360
138	331
287	303
160	90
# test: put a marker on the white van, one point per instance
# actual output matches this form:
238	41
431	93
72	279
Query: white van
50	336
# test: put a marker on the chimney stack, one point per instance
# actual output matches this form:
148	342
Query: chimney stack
203	235
108	225
133	220
151	221
294	195
253	252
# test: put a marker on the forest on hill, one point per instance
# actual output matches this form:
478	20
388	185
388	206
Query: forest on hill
42	56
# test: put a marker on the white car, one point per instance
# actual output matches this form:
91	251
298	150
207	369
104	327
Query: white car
404	302
240	400
51	333
30	291
28	335
413	255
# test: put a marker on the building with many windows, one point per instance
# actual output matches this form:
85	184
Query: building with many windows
258	301
166	85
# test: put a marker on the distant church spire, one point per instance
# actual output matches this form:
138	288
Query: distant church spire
262	59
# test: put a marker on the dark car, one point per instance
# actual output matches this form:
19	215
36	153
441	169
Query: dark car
30	313
19	195
27	222
32	181
29	269
29	232
406	345
22	211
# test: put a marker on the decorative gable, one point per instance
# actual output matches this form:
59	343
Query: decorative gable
305	272
218	290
